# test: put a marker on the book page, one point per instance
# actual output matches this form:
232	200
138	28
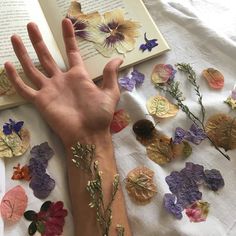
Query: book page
14	16
94	61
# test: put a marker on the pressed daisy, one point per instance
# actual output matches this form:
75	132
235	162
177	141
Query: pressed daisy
115	33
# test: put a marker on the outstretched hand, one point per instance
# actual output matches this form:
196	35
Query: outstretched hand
69	101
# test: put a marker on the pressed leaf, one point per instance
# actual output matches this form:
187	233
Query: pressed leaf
160	151
46	206
140	185
30	215
160	107
214	78
32	228
221	129
14	144
40	227
14	204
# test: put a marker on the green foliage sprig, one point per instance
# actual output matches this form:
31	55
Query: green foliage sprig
174	91
83	157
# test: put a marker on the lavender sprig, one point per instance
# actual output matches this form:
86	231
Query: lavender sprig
174	91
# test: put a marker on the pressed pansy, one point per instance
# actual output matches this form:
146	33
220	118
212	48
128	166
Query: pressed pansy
49	221
14	139
194	135
163	73
149	44
214	78
184	186
115	33
198	211
21	173
121	119
135	78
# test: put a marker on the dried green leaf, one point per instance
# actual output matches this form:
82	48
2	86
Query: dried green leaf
160	151
46	206
139	184
40	227
221	129
30	215
32	228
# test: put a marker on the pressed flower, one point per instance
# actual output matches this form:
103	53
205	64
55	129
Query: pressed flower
214	78
6	87
135	78
21	173
160	107
14	204
198	211
49	221
149	45
12	126
194	135
231	100
140	185
221	128
115	33
213	179
121	119
42	151
15	143
163	73
172	206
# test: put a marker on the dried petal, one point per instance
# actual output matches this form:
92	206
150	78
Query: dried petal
75	9
171	206
182	150
214	78
139	184
163	73
121	119
198	211
14	204
138	77
160	151
21	173
214	179
221	129
6	87
42	152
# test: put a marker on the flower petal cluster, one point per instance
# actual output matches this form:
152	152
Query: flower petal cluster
12	126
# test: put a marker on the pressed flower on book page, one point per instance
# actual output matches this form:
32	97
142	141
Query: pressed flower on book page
149	44
6	87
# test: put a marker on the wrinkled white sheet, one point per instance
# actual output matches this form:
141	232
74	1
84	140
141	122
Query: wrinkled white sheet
200	32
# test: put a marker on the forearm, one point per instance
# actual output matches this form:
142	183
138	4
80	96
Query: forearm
85	217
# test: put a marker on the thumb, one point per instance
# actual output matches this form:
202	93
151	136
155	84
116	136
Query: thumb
110	73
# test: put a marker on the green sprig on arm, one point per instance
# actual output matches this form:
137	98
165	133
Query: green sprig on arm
84	158
174	91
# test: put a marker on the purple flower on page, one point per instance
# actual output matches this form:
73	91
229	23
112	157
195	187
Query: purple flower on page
43	152
80	27
214	179
130	81
171	206
149	45
12	126
42	185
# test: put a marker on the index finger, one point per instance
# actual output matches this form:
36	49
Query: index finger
72	49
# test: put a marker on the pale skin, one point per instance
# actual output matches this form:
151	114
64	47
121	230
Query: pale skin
77	110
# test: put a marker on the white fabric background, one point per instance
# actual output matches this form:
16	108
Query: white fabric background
200	32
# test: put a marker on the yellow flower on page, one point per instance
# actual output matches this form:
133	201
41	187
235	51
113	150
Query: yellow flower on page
115	34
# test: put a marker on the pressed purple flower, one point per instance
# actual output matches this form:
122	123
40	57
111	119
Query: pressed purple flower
138	77
80	27
171	206
214	179
195	134
179	135
149	45
12	126
37	166
42	185
175	181
127	83
43	152
173	72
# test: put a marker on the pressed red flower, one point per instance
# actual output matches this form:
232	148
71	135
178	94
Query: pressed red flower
21	173
50	219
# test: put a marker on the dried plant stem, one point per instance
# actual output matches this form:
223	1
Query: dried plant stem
174	91
83	157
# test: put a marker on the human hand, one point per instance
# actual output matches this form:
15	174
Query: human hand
69	101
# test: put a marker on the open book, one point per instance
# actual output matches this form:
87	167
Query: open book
15	14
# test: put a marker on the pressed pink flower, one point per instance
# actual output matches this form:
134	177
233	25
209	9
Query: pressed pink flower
198	211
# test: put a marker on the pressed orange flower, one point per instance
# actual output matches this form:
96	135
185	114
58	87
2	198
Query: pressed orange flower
115	33
21	173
